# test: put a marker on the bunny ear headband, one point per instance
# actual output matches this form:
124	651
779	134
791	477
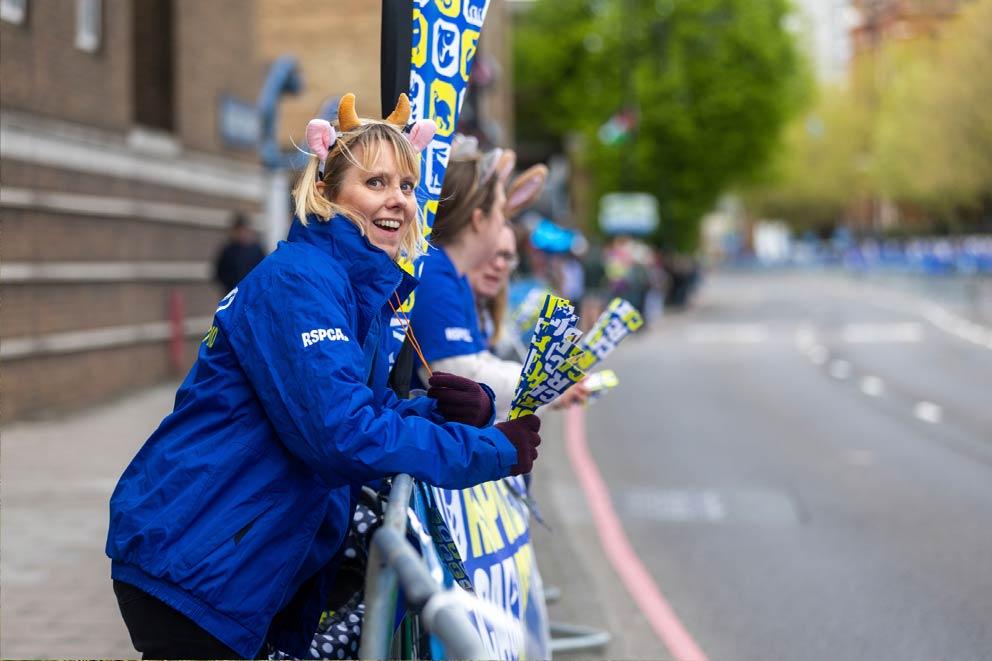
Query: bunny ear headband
498	162
321	136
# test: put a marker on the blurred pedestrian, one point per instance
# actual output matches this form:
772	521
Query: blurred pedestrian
238	256
225	529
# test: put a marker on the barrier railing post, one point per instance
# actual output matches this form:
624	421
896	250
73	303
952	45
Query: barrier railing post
393	561
380	580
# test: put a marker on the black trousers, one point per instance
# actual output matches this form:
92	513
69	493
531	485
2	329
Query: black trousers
161	632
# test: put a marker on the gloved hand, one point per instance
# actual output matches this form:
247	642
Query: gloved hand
460	399
522	432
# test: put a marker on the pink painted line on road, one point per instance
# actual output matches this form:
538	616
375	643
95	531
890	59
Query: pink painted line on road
635	576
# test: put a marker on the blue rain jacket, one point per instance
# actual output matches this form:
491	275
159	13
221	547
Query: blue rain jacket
234	508
443	315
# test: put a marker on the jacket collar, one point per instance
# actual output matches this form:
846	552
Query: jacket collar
373	274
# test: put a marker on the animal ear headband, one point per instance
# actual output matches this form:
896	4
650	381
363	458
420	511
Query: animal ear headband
495	162
321	136
525	189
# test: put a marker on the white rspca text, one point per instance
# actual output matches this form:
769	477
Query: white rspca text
456	334
321	334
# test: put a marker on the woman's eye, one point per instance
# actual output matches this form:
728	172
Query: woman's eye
375	182
407	186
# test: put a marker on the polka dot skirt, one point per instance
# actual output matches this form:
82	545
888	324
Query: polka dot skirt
340	631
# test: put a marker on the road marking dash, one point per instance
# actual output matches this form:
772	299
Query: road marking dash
872	386
928	412
882	333
727	333
840	369
818	354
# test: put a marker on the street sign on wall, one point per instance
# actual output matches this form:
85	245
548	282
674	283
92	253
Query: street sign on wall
628	213
240	123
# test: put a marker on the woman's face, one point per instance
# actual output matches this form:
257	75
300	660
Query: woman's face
488	227
383	197
491	277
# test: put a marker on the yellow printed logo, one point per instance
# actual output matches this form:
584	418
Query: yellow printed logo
470	39
449	7
430	211
419	39
442	106
210	337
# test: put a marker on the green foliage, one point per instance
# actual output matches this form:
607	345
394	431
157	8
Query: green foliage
824	164
914	126
933	137
712	81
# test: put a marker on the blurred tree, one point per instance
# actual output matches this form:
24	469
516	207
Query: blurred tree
933	136
710	84
824	165
914	127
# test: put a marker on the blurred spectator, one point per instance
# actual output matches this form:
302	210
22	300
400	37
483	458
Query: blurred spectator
239	255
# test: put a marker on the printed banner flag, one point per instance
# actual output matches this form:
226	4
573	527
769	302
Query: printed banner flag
600	383
445	38
556	359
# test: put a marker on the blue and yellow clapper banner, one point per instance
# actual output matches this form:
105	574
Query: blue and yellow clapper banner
487	525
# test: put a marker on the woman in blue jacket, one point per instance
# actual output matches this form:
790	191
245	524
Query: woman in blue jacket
225	526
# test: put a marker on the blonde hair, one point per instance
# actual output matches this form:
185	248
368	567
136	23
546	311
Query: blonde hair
496	307
372	138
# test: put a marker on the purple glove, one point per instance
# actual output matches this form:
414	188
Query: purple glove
460	399
522	432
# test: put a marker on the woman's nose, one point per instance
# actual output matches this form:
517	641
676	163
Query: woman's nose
396	197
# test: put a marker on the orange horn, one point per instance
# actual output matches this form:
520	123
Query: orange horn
347	117
401	114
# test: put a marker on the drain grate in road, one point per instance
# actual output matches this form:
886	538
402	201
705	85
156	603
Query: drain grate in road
749	505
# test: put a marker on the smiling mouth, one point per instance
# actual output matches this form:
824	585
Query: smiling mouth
387	224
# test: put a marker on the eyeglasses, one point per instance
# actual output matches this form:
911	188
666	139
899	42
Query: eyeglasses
509	258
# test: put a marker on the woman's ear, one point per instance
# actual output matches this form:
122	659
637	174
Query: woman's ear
321	188
478	219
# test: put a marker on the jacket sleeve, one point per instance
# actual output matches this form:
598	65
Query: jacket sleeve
297	345
500	375
424	407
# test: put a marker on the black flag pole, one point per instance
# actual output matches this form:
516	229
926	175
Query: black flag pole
395	49
394	79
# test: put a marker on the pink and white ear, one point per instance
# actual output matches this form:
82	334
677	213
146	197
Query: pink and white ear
421	133
505	164
525	189
320	136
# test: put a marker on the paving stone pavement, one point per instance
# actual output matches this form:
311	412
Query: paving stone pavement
56	477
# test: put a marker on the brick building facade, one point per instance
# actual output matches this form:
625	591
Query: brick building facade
337	46
117	189
117	185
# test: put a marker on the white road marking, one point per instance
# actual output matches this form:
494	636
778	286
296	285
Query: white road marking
840	369
818	354
873	333
727	333
937	315
928	412
872	386
805	337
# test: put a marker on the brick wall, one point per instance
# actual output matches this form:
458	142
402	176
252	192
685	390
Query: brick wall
43	72
64	382
90	100
337	47
215	54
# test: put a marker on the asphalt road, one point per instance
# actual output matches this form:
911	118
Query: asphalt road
804	464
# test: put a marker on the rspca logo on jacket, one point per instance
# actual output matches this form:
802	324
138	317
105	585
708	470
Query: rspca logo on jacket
457	334
320	334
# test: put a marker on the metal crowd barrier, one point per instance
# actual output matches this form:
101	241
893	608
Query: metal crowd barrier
393	562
